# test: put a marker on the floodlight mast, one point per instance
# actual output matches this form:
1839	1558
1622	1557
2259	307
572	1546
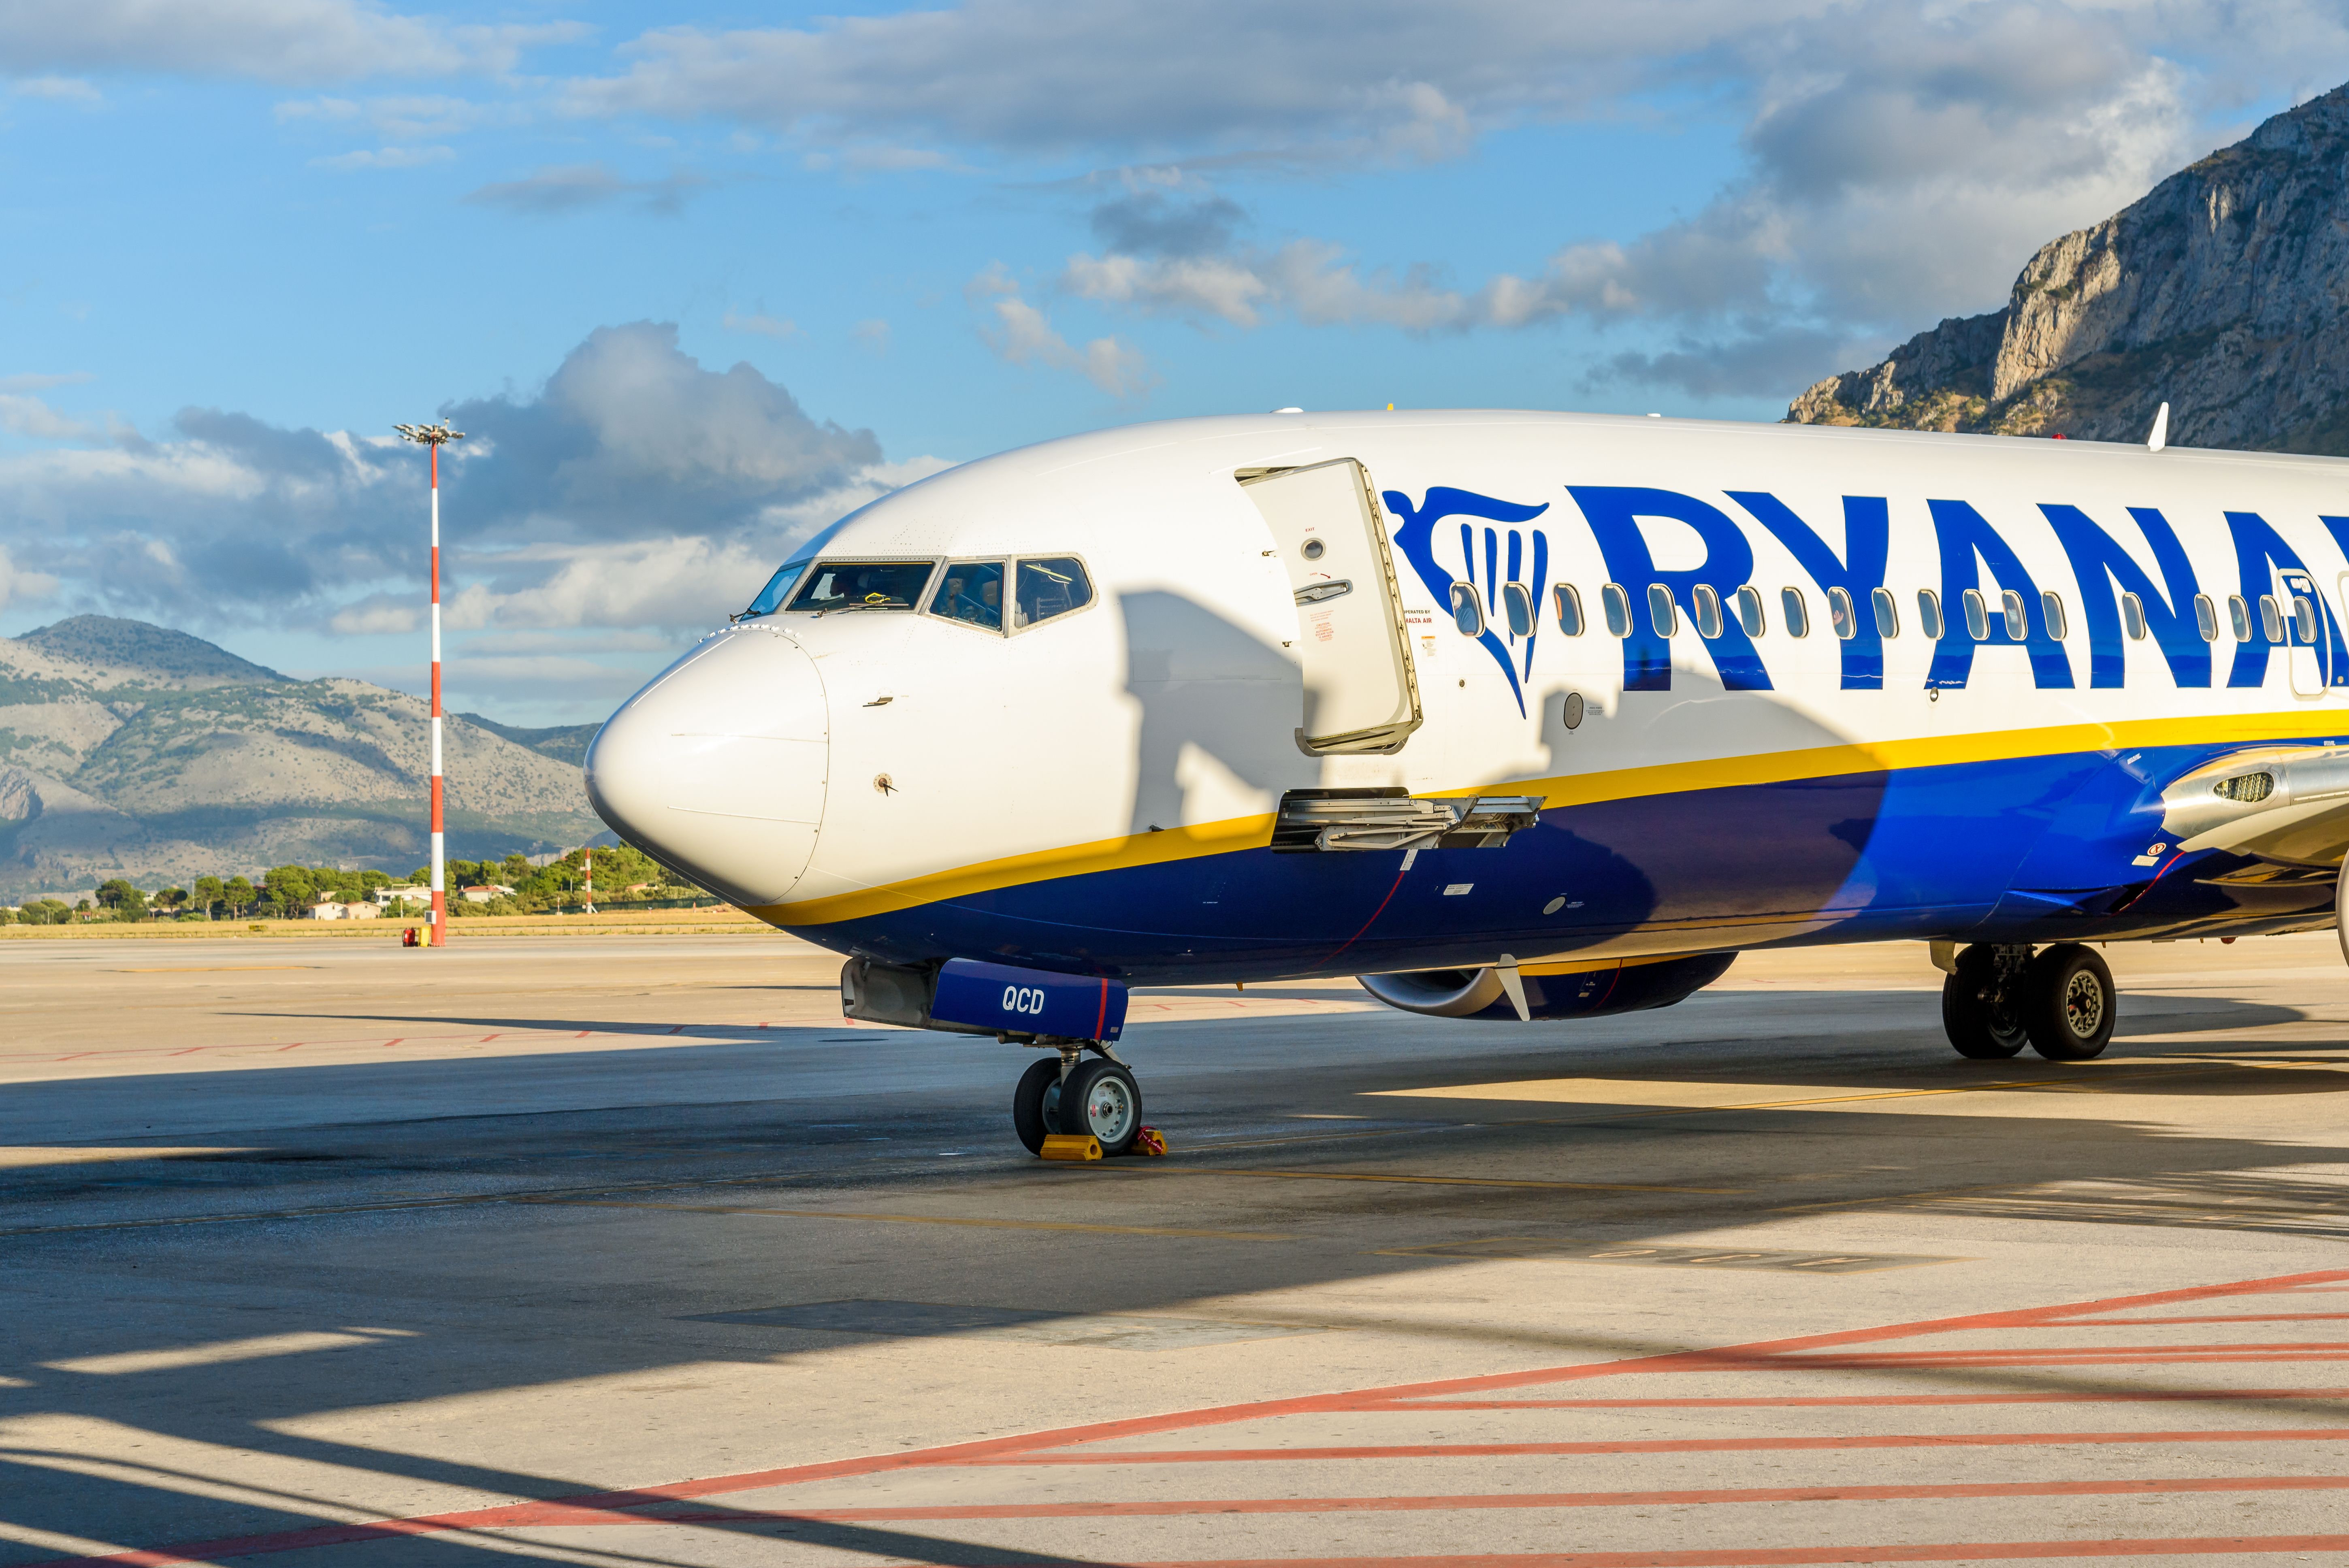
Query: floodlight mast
434	437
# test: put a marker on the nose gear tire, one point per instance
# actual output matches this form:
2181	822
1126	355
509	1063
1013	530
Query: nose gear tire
1977	1013
1036	1104
1100	1096
2067	1005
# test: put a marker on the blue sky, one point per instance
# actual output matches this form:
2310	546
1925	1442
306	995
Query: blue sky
700	279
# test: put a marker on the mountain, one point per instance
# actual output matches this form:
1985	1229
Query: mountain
564	742
2220	293
127	749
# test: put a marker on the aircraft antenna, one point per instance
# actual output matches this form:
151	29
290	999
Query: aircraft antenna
434	437
2160	436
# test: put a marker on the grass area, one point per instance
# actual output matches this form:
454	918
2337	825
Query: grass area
617	922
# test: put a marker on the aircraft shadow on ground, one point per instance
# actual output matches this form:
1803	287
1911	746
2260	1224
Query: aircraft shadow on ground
556	1318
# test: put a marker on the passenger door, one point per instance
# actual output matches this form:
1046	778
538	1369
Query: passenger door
2310	662
1361	691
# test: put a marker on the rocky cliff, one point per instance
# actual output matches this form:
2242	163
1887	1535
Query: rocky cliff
2222	293
133	750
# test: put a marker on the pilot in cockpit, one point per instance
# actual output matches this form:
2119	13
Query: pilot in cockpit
973	593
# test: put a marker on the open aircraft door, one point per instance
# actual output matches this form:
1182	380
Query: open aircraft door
2307	638
1361	691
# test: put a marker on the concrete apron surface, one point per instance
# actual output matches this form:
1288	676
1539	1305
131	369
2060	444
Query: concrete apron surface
631	1251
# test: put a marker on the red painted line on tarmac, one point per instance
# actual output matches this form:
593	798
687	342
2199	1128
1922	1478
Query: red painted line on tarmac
2228	1317
1757	1557
1773	1401
1656	1446
1760	1354
1509	1501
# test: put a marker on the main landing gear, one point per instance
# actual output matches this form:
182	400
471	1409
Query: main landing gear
2002	997
1071	1095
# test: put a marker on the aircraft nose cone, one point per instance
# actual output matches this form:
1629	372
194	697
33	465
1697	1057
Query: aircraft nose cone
717	768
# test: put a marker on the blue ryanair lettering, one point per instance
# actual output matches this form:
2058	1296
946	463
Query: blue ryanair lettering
1613	512
2105	571
2260	554
1858	571
1416	540
1969	545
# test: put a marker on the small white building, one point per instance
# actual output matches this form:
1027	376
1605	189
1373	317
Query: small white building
484	892
329	909
403	893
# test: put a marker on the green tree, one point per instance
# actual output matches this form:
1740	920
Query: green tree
172	898
239	894
291	888
126	901
209	893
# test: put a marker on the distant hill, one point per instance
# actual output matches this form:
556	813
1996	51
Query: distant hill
564	742
129	749
2220	293
135	648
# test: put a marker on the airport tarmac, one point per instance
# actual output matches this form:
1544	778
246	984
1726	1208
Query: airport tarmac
631	1251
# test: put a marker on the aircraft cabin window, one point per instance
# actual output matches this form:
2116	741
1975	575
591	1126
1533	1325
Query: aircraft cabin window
2303	618
2271	618
2133	616
1616	601
1976	616
1887	613
1518	608
2205	617
1928	614
1663	614
2050	605
1467	610
971	592
1708	611
1749	611
770	597
1840	614
2238	617
1797	612
1570	609
861	585
2018	619
1054	586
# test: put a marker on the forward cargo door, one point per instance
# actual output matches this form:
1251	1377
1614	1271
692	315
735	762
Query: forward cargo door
1361	691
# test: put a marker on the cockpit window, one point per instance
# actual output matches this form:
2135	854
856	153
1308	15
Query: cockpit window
1050	587
971	592
861	585
770	597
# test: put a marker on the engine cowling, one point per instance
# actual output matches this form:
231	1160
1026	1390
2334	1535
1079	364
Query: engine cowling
1567	988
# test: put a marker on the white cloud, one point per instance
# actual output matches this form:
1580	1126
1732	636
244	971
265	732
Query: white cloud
21	587
763	325
1023	335
602	493
385	157
57	90
872	333
269	40
570	187
33	381
25	416
1389	79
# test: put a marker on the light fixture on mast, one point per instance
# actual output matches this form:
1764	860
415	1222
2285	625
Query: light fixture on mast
434	437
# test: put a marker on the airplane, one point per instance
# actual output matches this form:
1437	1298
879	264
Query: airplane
1513	715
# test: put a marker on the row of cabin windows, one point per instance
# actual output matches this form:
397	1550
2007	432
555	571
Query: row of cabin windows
1746	607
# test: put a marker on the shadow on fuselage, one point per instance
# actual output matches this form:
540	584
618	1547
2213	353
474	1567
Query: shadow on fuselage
1220	711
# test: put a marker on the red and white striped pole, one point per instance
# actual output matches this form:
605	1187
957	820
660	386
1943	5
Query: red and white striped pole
588	860
434	437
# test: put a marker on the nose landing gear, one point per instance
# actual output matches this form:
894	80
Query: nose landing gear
1072	1095
2002	995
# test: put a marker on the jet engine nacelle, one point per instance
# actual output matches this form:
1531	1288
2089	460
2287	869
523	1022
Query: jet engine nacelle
1576	988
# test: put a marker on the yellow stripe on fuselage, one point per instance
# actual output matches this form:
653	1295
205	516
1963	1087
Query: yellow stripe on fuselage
1172	844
